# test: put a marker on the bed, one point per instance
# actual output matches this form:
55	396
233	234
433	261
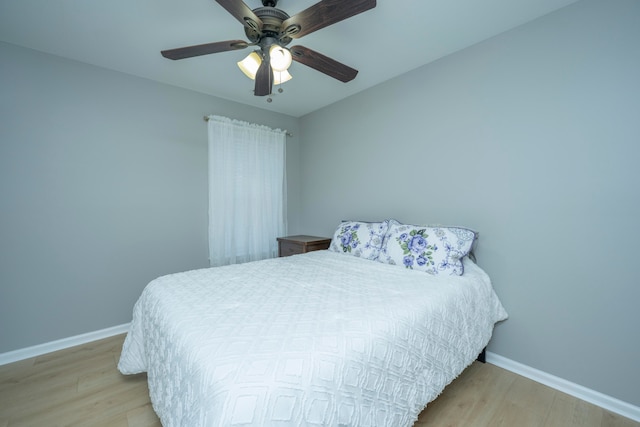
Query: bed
330	338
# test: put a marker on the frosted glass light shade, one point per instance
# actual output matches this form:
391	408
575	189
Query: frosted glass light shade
250	65
281	77
280	58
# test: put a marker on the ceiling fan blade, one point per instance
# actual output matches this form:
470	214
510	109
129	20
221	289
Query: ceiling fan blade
323	14
264	79
204	49
242	13
323	63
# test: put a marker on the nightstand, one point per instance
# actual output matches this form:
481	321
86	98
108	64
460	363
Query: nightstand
292	245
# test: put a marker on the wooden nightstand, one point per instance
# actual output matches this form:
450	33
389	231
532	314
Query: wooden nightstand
292	245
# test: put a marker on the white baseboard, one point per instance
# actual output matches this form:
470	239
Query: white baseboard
602	400
40	349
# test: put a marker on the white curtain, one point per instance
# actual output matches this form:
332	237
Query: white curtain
247	191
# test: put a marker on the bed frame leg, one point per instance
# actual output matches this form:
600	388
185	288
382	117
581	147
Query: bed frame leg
482	357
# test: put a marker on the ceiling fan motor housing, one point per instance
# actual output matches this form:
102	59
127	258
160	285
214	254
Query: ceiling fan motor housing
272	19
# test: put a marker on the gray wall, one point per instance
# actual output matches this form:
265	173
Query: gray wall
103	187
533	139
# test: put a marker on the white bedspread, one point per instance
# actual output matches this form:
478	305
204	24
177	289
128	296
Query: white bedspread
322	339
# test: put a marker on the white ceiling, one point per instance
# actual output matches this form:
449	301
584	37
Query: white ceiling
384	42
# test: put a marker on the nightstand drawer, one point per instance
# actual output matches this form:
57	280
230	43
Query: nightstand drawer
293	245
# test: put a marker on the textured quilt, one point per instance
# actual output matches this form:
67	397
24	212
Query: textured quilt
319	339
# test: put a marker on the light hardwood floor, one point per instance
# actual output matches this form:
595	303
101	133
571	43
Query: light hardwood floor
81	386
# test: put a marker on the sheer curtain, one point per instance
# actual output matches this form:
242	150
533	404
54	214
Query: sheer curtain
247	191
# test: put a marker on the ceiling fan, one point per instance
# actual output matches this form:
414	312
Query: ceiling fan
271	30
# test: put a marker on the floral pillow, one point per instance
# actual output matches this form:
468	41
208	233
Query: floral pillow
361	239
433	249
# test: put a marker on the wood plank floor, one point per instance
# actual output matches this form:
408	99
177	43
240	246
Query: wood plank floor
81	386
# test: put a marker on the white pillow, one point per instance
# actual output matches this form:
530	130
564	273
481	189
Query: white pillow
359	238
433	249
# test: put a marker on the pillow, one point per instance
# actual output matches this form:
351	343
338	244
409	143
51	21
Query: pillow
433	249
359	238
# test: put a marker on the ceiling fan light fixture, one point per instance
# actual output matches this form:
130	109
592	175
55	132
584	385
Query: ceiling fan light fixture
272	29
280	58
249	66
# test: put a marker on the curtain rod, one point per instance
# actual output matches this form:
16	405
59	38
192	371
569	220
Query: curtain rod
289	134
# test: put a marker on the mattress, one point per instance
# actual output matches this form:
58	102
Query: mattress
321	338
